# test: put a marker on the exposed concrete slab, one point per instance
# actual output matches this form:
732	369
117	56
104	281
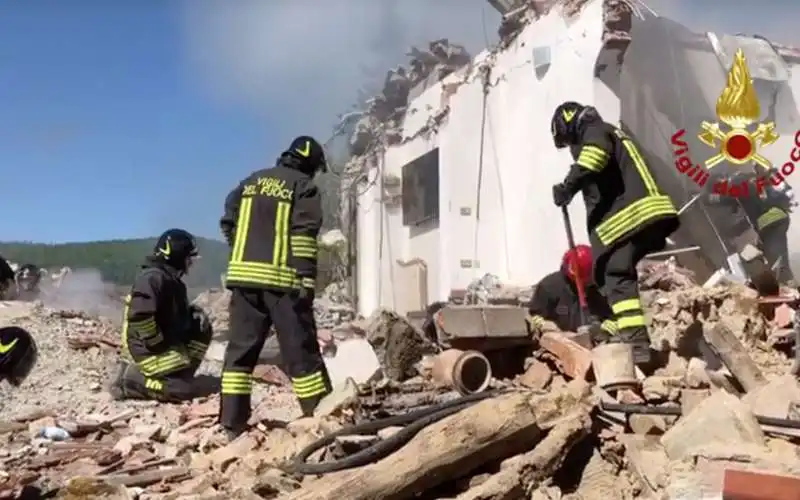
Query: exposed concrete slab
483	321
720	418
354	359
774	400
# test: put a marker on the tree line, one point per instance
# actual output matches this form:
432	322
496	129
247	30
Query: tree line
120	260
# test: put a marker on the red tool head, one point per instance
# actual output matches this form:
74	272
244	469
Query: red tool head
577	263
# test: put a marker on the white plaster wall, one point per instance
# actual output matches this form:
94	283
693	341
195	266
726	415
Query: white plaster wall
516	233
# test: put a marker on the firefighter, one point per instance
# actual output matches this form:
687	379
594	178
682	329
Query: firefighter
164	338
18	354
271	221
555	298
627	215
27	279
766	210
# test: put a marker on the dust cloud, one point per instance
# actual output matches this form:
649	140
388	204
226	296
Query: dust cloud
84	290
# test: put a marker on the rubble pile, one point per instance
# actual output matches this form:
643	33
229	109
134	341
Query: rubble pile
616	15
489	289
381	119
721	403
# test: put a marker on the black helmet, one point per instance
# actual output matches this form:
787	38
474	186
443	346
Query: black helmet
18	354
567	120
176	247
310	153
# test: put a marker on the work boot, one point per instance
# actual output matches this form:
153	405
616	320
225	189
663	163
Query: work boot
639	341
308	405
117	386
597	335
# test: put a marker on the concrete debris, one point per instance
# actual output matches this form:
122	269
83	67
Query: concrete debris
544	435
489	289
380	121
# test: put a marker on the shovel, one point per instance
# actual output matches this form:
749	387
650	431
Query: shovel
579	284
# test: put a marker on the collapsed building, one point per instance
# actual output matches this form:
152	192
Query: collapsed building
452	164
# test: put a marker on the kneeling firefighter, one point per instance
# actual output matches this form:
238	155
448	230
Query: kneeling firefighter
627	215
556	298
164	338
271	221
18	354
27	278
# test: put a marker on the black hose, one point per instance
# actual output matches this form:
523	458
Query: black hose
414	421
675	410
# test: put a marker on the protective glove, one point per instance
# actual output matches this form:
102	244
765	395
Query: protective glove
200	318
561	195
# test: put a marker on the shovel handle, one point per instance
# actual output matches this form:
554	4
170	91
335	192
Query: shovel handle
579	284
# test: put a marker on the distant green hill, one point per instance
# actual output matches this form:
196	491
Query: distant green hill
117	260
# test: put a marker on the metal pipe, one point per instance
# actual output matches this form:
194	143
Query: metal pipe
677	251
468	372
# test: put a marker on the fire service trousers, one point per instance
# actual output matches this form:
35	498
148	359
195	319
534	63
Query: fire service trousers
168	376
252	313
774	244
622	289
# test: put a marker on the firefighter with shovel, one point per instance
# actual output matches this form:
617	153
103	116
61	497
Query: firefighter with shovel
628	216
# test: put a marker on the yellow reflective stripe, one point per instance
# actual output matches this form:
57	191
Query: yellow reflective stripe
308	283
263	274
304	246
237	383
309	385
641	166
197	350
534	320
153	341
162	363
626	305
280	249
609	326
631	321
147	326
592	158
633	216
242	227
771	216
153	384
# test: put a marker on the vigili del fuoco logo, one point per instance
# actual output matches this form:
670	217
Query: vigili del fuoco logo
738	140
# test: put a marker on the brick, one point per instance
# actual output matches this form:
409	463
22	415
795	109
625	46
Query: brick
538	376
753	485
573	359
719	419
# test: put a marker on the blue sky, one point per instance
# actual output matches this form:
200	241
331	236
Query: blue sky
120	119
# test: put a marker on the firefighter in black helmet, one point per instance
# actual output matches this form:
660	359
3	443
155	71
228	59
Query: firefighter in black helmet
271	221
18	354
164	338
627	215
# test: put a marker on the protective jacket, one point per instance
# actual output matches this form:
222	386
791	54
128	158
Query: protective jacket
762	212
273	218
157	316
619	191
556	299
